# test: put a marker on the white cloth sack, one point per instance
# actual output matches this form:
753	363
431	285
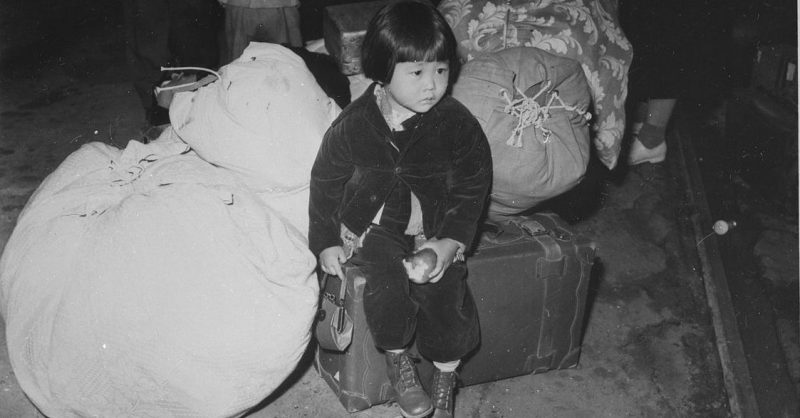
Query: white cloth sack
264	119
150	283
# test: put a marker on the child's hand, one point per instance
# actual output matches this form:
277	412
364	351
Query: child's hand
331	260
445	250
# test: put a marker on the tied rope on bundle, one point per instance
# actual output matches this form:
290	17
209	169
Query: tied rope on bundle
528	112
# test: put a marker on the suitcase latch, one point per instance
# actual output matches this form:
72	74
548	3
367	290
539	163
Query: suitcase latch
531	227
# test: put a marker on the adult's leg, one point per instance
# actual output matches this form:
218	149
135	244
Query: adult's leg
194	32
237	36
278	25
147	46
654	129
649	140
657	75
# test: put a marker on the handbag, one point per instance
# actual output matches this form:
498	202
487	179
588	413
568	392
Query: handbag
334	327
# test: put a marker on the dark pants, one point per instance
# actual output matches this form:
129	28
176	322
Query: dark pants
442	315
169	33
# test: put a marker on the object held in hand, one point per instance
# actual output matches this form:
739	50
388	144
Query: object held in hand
419	265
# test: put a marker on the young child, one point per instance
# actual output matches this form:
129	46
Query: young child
406	164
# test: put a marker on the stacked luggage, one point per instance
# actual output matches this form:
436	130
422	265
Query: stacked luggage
529	277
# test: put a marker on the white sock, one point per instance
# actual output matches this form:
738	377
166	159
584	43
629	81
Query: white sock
450	366
397	351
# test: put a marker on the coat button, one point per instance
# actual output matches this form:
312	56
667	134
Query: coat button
373	198
397	170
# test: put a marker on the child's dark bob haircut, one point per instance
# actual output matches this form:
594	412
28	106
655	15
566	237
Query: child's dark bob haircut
407	31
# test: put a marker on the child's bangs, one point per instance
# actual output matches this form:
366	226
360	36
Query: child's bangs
423	49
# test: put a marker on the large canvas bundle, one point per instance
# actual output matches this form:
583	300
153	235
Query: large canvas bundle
533	107
586	31
264	119
149	283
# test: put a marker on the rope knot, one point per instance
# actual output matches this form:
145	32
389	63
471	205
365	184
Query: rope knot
529	112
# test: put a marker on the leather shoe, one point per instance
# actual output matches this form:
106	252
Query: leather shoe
640	154
411	397
444	385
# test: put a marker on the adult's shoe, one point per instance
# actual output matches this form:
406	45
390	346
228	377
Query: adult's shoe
640	154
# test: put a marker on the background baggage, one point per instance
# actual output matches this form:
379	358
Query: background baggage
146	282
581	30
344	27
533	107
529	278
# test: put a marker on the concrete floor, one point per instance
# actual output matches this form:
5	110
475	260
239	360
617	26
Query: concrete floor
648	349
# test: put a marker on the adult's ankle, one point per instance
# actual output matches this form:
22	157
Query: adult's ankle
651	136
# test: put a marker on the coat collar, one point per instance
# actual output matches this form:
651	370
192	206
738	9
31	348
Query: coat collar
367	106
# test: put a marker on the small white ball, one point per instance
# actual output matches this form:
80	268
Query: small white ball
721	227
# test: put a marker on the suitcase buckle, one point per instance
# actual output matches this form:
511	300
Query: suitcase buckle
534	228
561	234
530	227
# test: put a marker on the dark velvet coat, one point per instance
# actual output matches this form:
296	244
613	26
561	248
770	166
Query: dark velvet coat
446	163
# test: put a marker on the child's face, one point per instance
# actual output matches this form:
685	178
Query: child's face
418	86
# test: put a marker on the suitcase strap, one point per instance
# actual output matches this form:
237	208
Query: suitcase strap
554	262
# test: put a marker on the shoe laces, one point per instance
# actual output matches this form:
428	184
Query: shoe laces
407	374
443	385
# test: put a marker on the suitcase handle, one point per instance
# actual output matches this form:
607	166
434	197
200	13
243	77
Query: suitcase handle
495	233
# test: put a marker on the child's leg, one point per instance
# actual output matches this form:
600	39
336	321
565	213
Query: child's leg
391	315
446	332
447	327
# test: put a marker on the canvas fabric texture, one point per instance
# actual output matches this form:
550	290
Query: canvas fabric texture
587	31
147	282
264	120
540	160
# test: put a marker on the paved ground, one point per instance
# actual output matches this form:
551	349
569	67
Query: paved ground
649	343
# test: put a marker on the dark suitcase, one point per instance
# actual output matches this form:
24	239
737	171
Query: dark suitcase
343	29
529	278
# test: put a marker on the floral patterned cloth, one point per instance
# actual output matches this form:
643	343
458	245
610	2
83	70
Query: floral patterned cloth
583	30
